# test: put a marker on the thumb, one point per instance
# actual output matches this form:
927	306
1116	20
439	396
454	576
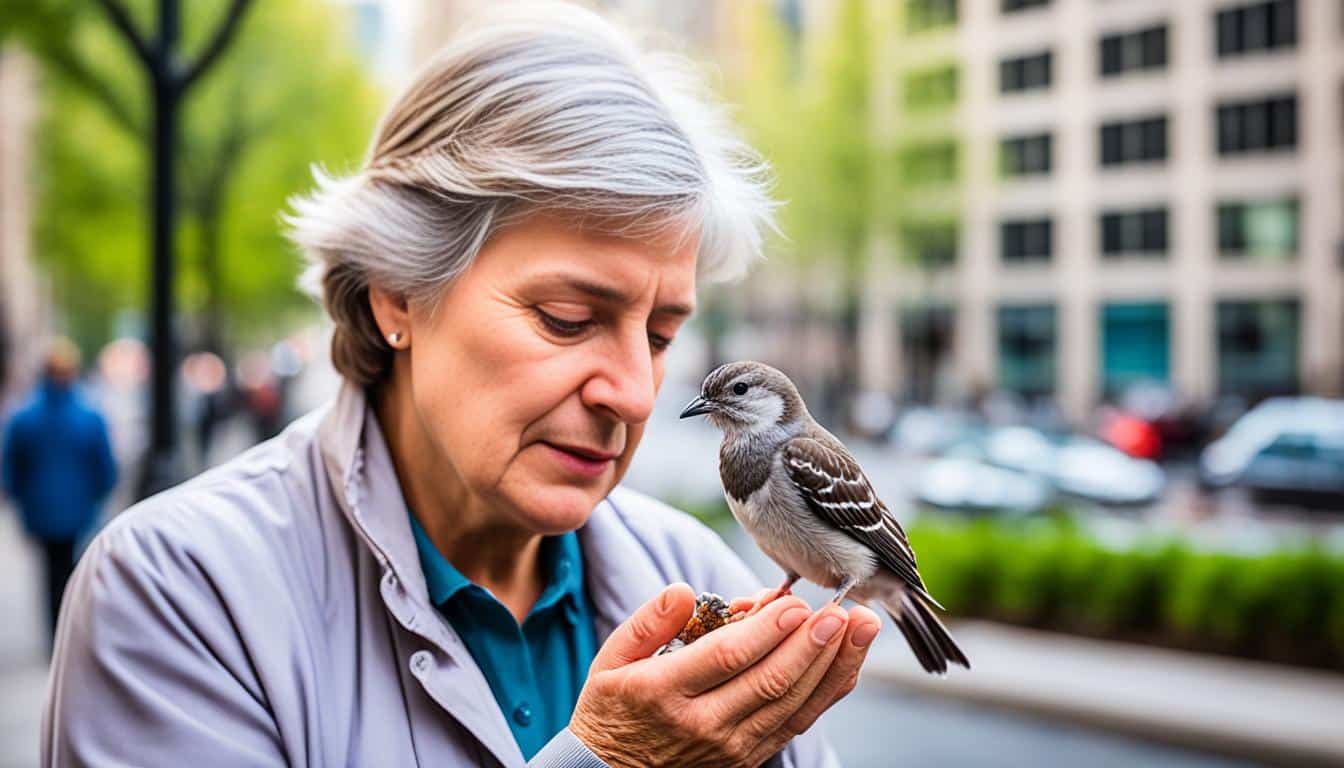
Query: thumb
652	625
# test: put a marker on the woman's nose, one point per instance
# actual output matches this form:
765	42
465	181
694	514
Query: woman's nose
624	383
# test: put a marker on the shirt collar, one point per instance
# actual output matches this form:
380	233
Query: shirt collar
561	561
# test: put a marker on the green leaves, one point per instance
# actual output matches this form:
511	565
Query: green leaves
288	92
1285	606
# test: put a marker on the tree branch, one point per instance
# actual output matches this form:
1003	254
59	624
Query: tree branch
237	9
122	21
68	63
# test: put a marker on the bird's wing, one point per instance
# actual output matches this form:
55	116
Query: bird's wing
837	490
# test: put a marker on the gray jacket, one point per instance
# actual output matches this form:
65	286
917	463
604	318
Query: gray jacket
273	612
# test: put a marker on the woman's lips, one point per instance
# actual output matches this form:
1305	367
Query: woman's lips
583	465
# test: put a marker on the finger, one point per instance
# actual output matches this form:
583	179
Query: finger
779	683
725	652
835	684
652	624
842	674
747	603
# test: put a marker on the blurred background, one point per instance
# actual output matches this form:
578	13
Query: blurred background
1068	275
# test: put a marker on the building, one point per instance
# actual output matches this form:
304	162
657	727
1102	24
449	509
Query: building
695	25
1120	192
22	310
1107	193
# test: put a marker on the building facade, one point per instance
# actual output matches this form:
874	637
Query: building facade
23	312
1120	192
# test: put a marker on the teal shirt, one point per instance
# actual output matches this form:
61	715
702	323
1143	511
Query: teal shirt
537	670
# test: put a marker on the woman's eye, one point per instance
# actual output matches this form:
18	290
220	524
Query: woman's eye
563	327
659	342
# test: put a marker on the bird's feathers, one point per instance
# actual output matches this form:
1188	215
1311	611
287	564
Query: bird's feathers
837	491
928	638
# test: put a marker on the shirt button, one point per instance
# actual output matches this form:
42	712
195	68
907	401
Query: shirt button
523	715
420	661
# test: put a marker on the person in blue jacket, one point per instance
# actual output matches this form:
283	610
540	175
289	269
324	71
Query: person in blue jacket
58	467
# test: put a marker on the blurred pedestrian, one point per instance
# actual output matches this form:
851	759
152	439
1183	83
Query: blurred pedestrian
58	467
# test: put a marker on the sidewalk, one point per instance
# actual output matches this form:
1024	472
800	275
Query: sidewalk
1279	715
23	663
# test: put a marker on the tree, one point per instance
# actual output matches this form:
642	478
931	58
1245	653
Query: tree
248	135
810	112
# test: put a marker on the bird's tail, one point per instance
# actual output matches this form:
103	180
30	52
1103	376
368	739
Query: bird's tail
928	638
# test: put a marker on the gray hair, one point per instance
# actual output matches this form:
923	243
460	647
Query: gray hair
541	108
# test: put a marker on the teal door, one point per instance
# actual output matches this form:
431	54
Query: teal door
1135	345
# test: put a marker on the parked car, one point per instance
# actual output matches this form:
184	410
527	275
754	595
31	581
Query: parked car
1307	467
1278	443
928	431
1284	447
1076	465
1021	469
961	479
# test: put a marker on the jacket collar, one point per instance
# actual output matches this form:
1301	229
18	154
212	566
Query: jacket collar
359	466
362	469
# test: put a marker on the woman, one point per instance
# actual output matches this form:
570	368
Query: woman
439	568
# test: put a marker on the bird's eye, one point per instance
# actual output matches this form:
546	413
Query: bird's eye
739	388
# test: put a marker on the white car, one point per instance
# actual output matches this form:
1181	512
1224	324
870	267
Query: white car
1279	421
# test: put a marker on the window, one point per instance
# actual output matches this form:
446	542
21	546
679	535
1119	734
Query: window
931	88
1135	345
1025	155
1131	51
1256	27
1134	141
927	335
927	14
1134	233
1257	126
1258	230
1027	350
931	245
1025	73
930	162
1258	347
1026	240
1012	6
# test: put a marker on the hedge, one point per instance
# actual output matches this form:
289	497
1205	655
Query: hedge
1286	606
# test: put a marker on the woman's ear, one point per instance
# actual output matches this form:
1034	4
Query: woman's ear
392	313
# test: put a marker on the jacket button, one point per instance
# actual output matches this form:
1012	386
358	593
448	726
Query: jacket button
523	715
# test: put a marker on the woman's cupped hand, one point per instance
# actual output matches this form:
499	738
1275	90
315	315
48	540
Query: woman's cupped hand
735	697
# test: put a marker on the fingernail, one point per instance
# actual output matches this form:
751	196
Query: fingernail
665	601
864	635
793	618
825	629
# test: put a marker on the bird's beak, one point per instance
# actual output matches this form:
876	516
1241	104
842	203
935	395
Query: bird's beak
696	407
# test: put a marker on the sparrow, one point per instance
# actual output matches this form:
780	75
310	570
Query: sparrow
808	504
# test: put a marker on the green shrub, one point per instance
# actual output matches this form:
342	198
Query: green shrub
1285	606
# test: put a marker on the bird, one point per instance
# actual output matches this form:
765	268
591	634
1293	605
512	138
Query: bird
802	496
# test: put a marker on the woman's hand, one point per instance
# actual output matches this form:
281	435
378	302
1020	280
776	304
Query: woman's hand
734	697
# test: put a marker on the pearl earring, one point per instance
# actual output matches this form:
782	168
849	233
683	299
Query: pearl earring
394	337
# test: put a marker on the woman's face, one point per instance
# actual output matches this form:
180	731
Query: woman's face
537	371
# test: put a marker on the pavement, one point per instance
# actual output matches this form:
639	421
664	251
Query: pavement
23	649
1268	713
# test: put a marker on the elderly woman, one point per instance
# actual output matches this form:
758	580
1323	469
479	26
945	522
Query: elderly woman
439	568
